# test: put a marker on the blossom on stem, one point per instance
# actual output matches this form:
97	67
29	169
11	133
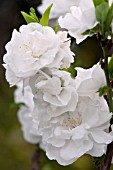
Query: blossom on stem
79	20
68	125
29	51
67	137
90	80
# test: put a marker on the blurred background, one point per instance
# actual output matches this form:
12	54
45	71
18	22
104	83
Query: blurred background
15	153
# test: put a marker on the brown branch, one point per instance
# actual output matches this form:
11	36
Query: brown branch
108	157
36	160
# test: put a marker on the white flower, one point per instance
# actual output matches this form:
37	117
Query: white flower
60	7
33	48
110	2
79	20
69	136
55	93
89	81
65	125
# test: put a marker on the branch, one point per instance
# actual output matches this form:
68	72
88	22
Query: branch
108	157
36	160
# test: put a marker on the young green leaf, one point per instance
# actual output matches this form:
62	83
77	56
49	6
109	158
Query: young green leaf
110	67
45	17
71	70
109	18
31	17
16	105
28	18
103	91
33	14
91	31
101	14
98	2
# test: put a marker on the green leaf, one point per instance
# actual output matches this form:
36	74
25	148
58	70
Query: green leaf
16	105
101	14
98	2
33	14
56	28
103	91
71	70
45	17
91	31
30	18
109	18
110	67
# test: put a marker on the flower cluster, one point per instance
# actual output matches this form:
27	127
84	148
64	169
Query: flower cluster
64	114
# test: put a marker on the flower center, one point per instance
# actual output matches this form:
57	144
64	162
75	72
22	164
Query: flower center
72	120
28	48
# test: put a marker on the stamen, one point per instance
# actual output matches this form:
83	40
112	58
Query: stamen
72	120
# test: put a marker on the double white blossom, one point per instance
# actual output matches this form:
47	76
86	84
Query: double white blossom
79	20
90	80
55	93
65	123
60	7
71	135
33	48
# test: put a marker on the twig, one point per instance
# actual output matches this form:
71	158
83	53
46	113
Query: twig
108	157
36	160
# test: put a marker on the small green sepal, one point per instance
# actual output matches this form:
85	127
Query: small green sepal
56	28
103	91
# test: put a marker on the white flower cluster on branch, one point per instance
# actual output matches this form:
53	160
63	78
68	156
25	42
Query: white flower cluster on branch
64	115
68	118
